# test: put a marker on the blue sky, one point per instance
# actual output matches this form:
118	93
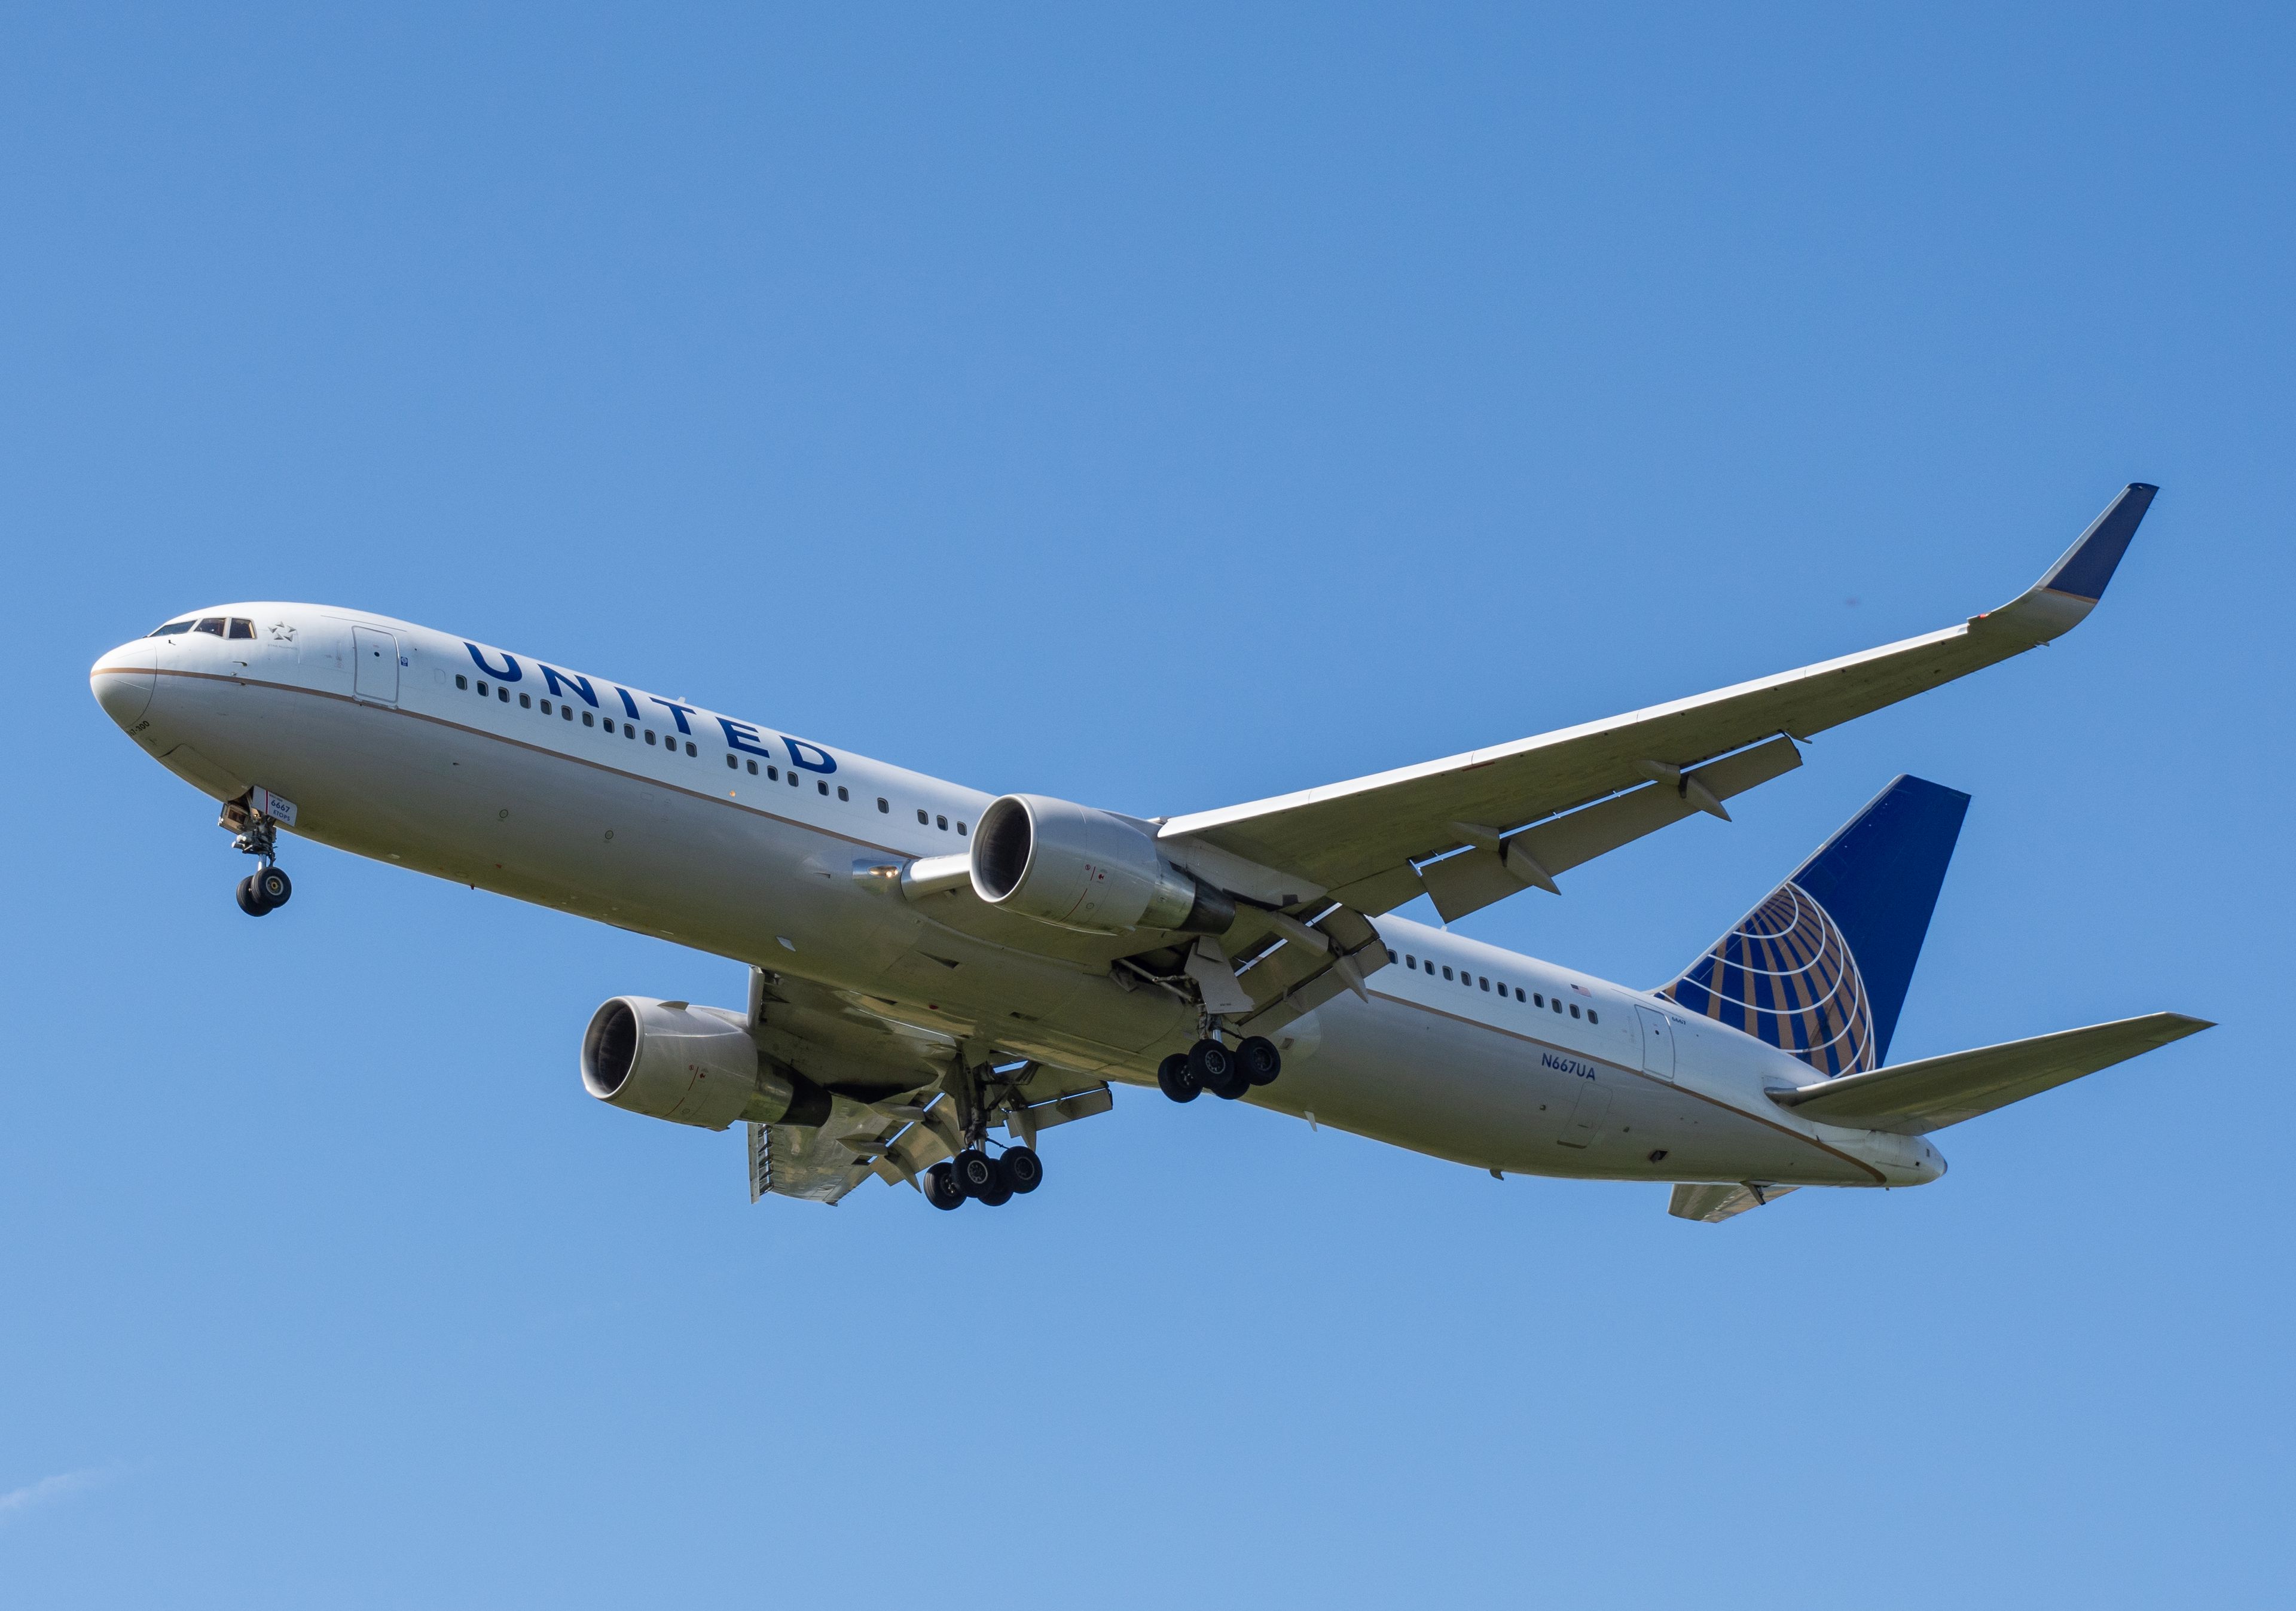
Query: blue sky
1158	408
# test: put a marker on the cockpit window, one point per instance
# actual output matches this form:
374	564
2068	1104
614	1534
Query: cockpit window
170	629
213	623
241	628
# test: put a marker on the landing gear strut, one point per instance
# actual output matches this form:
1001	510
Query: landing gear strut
268	887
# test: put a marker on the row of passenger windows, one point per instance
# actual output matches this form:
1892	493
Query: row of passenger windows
566	712
222	626
1474	980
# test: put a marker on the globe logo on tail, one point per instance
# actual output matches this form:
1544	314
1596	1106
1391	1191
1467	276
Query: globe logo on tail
1785	975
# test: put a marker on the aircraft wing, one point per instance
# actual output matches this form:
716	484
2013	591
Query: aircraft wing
1523	812
1913	1099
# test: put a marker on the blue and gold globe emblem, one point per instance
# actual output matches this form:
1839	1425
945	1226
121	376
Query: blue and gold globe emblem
1785	975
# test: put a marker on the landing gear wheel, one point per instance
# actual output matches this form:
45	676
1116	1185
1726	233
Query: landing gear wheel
272	887
1000	1190
248	901
1024	1171
1217	1070
941	1189
1259	1060
1176	1079
975	1172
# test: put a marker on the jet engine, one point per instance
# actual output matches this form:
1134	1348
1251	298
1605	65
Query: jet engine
691	1066
1093	871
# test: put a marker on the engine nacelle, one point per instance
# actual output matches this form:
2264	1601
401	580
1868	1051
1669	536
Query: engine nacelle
691	1066
1083	869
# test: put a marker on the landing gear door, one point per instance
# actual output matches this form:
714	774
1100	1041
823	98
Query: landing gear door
1658	1043
376	653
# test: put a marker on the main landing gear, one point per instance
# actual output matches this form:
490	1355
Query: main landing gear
1211	1066
268	887
979	1097
1015	1171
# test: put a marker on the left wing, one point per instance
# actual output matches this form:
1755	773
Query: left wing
1361	841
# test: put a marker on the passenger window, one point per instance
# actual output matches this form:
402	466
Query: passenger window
566	712
690	750
1412	962
923	821
170	629
525	702
1483	982
821	786
589	720
841	794
546	706
648	735
1517	992
1574	1009
629	731
883	805
1556	1004
502	694
213	623
753	768
482	690
732	765
792	777
773	774
461	682
1446	973
241	628
1590	1016
960	830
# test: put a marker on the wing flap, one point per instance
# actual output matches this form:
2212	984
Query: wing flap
1473	879
1913	1099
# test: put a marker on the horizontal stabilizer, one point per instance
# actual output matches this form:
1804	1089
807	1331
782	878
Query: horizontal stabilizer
1913	1099
1715	1202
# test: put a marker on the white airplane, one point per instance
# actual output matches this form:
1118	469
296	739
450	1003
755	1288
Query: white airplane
930	964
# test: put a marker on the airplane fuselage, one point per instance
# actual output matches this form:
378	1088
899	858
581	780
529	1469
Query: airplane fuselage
508	774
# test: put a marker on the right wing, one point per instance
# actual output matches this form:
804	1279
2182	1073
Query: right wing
1913	1099
1360	843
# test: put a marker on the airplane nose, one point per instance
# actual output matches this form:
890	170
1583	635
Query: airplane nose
123	680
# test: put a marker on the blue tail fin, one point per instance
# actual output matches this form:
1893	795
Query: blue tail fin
1820	968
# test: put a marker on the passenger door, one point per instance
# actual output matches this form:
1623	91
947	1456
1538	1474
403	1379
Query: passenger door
377	656
1658	1043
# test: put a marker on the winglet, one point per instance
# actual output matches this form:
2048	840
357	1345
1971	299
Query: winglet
2089	564
2063	597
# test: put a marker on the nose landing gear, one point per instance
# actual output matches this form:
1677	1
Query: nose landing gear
256	834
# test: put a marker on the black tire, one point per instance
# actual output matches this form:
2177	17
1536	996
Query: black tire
941	1189
1174	1078
248	901
975	1172
273	887
1000	1190
1259	1060
1024	1171
1217	1070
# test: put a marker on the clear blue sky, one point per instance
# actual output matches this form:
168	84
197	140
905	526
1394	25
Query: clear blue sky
1159	409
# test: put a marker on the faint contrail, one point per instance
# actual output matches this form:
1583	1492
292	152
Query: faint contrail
23	1499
